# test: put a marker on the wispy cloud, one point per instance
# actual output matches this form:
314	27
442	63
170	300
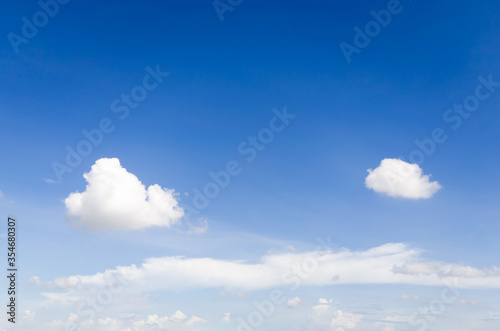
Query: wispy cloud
386	264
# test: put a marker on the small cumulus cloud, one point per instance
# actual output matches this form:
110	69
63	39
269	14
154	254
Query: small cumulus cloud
115	199
197	230
399	179
294	302
28	314
324	314
34	280
342	321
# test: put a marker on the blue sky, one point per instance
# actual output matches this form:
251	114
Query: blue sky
227	80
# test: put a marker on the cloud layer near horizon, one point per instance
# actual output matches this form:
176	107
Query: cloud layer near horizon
115	199
397	178
386	264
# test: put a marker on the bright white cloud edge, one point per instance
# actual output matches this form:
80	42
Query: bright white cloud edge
399	179
115	199
386	264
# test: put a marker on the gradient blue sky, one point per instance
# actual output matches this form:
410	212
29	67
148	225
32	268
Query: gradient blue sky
225	79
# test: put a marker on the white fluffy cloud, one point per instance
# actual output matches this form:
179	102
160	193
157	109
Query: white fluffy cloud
293	302
397	178
117	200
196	230
326	314
342	321
28	314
